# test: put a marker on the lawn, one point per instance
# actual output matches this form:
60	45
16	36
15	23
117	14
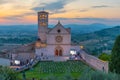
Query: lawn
45	69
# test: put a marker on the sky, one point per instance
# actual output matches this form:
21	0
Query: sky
14	12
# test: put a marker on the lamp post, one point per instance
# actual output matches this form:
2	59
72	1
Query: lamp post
81	47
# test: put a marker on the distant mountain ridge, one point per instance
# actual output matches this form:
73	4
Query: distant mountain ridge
76	28
109	32
87	28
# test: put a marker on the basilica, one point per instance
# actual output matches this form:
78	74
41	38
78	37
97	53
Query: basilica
53	43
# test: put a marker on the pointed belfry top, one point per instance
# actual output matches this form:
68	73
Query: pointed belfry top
59	22
43	11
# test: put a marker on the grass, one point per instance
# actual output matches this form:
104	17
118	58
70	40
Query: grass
46	69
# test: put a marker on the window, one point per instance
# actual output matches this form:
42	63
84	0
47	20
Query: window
58	30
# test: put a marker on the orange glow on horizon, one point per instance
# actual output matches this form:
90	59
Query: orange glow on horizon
25	12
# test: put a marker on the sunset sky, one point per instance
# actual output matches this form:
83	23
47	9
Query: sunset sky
14	12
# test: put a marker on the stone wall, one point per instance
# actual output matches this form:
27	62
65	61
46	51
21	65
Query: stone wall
94	62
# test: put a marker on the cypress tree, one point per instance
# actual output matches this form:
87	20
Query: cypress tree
114	64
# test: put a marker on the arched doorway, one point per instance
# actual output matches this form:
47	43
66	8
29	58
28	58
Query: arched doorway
58	51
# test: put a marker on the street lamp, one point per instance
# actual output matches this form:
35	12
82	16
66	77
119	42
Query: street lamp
81	47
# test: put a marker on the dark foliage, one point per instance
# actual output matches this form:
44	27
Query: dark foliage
114	65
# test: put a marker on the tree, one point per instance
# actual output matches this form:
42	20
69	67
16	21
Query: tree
104	56
114	64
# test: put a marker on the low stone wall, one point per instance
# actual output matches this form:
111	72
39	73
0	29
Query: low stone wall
94	62
54	58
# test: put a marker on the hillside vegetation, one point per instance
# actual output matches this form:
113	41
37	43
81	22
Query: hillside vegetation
99	41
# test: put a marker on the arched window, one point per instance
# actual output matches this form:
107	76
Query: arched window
56	52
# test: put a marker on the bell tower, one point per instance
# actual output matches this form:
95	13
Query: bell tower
42	25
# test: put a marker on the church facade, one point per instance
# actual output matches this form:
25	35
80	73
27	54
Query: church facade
52	42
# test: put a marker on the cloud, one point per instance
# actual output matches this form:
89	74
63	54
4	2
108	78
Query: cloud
14	17
54	7
30	13
101	6
107	21
6	1
57	11
2	1
51	6
19	17
84	10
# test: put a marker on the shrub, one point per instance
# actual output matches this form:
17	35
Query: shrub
97	75
7	74
104	56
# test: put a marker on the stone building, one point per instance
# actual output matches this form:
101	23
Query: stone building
24	54
52	42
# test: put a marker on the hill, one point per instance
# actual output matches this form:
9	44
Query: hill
98	41
76	28
82	29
